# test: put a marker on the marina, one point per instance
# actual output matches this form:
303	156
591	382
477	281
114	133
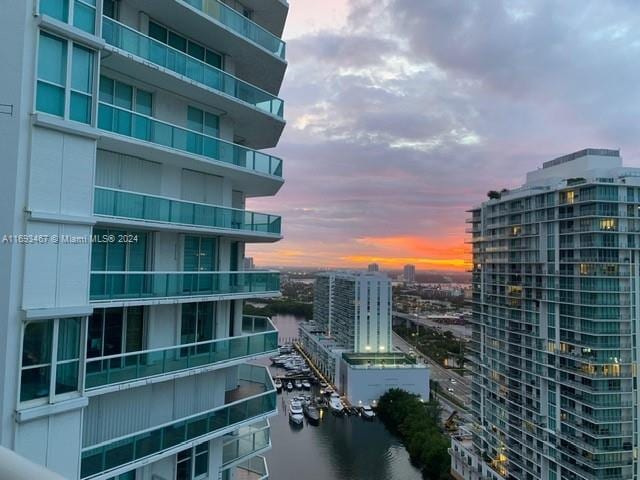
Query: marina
341	442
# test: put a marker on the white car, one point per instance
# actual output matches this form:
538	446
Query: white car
453	380
450	389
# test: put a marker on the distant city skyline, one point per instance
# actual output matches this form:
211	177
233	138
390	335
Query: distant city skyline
405	127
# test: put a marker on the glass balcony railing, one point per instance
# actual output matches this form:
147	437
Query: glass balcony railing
246	442
241	25
148	208
158	53
259	336
148	129
253	469
143	285
260	400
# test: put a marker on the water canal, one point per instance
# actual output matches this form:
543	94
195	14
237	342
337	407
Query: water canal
340	448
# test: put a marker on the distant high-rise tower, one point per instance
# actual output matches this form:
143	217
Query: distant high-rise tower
373	267
131	140
409	273
556	274
248	263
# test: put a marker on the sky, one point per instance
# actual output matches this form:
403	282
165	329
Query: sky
402	114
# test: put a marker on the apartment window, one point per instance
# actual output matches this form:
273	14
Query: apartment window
193	463
197	322
81	85
111	253
199	254
177	41
113	331
53	60
50	358
82	12
203	122
110	8
125	96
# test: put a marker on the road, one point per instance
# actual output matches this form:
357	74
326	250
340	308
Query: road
462	386
460	331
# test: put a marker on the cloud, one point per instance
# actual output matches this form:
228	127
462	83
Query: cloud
402	114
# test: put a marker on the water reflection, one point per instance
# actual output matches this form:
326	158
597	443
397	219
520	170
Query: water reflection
340	448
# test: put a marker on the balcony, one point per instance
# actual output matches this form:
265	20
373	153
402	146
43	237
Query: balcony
254	399
253	469
156	140
241	25
258	115
142	287
259	55
247	442
259	337
158	212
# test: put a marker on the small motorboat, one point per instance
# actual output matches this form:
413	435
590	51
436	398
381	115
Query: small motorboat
328	391
335	404
367	412
312	412
323	385
289	387
296	414
298	384
278	384
306	385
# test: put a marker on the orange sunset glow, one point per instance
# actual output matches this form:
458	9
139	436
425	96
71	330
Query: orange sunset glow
390	252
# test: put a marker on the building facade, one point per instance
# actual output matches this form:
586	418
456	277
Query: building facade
349	339
555	288
132	132
354	308
409	274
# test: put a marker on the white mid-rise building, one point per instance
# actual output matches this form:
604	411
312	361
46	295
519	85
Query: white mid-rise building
349	339
131	134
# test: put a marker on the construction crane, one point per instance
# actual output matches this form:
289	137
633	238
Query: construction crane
450	424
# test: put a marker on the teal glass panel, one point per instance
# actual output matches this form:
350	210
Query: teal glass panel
67	377
107	90
157	32
189	321
52	59
191	254
196	51
123	95
36	348
58	9
240	24
50	99
34	383
208	73
143	102
82	70
122	122
80	107
109	8
84	16
69	339
177	41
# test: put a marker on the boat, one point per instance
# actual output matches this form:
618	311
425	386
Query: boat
298	384
312	412
289	386
323	385
306	385
367	412
278	385
328	391
335	404
296	414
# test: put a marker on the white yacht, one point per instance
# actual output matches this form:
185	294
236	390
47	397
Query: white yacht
296	414
335	404
367	412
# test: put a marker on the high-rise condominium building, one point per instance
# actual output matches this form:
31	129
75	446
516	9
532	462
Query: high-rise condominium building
556	265
131	134
373	267
409	273
355	309
349	339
